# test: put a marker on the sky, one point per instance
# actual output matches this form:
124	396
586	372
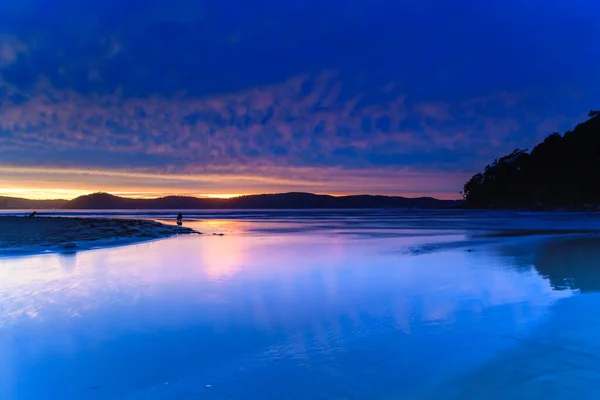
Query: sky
225	97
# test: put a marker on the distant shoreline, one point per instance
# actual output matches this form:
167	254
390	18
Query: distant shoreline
26	236
293	200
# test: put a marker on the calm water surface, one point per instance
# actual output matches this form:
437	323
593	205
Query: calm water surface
300	308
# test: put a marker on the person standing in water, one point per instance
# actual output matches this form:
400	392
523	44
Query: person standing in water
179	219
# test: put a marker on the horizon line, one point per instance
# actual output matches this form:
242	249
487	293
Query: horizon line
224	196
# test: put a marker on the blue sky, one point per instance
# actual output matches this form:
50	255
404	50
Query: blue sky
227	97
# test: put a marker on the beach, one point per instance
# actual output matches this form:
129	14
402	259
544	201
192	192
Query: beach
311	305
22	235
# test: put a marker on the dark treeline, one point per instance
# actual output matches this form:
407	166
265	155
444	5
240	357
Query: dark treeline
561	172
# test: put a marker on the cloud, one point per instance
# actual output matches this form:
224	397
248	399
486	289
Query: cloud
435	111
310	132
10	49
307	120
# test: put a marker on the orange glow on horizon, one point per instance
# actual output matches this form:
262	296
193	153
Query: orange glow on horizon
42	194
69	194
68	183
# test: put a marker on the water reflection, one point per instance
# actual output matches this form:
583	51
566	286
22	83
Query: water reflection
221	258
298	316
571	263
559	358
68	261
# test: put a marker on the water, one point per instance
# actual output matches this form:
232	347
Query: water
312	306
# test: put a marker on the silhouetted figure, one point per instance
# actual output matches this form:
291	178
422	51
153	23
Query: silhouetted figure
32	215
179	219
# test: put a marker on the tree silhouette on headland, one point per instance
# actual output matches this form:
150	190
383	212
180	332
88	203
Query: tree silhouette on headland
561	172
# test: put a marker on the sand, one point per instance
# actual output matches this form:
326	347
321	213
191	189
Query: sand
21	235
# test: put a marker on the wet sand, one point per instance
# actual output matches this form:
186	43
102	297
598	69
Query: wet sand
21	235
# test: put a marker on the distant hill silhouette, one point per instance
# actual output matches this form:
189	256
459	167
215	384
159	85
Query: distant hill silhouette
561	172
28	204
260	201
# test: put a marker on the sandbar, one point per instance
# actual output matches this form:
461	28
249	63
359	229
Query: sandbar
22	235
